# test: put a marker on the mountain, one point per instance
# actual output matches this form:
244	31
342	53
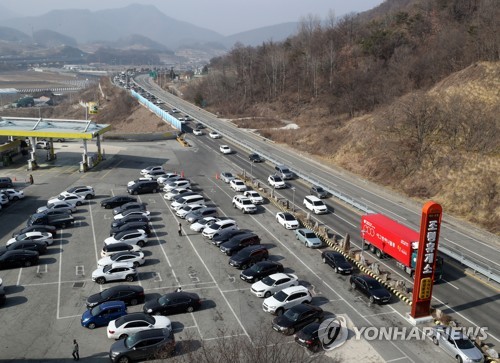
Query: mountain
255	37
6	13
139	42
50	38
13	35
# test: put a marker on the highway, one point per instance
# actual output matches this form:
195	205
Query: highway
468	299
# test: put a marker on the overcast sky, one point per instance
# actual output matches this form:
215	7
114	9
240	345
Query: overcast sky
223	16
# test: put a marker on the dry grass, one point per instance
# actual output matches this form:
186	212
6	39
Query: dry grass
258	122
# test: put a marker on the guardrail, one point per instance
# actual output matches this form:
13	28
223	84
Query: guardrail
164	115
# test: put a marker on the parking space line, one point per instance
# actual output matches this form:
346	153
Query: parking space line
385	313
111	168
93	236
19	277
68	317
59	277
197	326
183	286
183	328
56	282
224	337
224	291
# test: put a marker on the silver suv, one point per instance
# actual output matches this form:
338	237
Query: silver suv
244	204
284	172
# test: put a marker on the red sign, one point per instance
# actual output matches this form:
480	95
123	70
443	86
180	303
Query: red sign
430	226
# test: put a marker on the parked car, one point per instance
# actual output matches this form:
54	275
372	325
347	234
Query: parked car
142	187
13	194
129	294
151	168
40	247
154	175
287	220
117	271
173	303
132	212
176	192
273	283
276	182
182	183
260	270
296	318
225	149
109	250
239	242
201	223
129	206
249	256
135	181
318	191
308	238
213	228
6	182
195	215
255	158
370	287
132	323
117	201
184	211
310	336
129	219
136	258
455	343
144	225
168	177
254	196
226	234
137	237
37	228
68	197
18	258
337	261
286	299
226	176
157	343
102	314
45	237
61	206
85	191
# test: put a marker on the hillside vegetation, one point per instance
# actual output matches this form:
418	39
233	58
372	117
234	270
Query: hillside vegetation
407	95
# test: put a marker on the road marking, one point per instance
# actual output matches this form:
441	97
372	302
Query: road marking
68	317
59	278
197	326
79	270
111	168
157	277
234	290
450	283
39	271
224	337
385	313
477	254
193	277
19	277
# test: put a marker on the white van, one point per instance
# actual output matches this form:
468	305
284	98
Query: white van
188	200
315	205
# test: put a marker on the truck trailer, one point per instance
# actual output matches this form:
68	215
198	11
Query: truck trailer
386	237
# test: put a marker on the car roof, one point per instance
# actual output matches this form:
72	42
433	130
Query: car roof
117	288
135	316
305	230
291	289
19	252
191	295
117	246
302	308
151	333
252	248
126	232
112	303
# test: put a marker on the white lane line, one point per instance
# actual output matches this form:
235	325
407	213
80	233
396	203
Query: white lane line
178	330
224	337
95	240
59	277
54	283
475	253
233	290
369	202
395	359
385	313
449	283
68	317
197	326
19	277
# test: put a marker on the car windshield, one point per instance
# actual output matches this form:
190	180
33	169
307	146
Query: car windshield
464	343
131	340
291	315
61	197
254	194
285	171
256	268
246	201
96	310
106	268
163	300
288	217
280	296
51	205
310	235
269	281
106	294
319	190
277	179
318	203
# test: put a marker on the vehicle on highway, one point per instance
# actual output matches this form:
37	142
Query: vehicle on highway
151	168
287	220
370	287
243	203
129	294
18	258
200	224
195	215
85	191
237	185
184	211
296	318
184	183
337	261
315	205
318	191
129	219
284	172
133	182
143	187
238	242
286	299
137	237
175	192
276	182
308	238
198	132
173	303
132	212
117	201
44	237
37	228
214	135
117	271
40	247
13	194
61	206
200	126
225	149
143	345
129	206
455	343
254	196
249	256
260	270
213	228
273	283
102	314
68	197
144	225
136	258
255	158
109	250
226	177
132	323
310	336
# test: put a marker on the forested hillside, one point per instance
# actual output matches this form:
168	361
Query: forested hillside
407	95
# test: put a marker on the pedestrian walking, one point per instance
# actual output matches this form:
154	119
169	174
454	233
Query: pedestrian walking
76	355
31	179
180	229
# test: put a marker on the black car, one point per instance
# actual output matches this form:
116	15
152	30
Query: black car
337	261
129	294
129	206
308	337
371	288
38	246
37	228
145	226
239	242
318	191
260	270
16	258
129	219
249	256
199	125
225	235
296	318
117	201
144	186
143	345
173	303
255	158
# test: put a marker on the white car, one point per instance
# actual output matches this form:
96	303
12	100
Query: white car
59	206
175	192
237	185
276	182
151	168
68	197
244	204
273	283
167	178
197	132
135	237
226	176
132	323
214	135
105	252
82	190
286	298
33	236
225	149
136	258
133	212
287	220
213	228
13	194
184	211
132	182
155	175
115	272
177	184
255	197
198	226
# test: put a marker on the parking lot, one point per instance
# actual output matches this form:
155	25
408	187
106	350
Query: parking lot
45	302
